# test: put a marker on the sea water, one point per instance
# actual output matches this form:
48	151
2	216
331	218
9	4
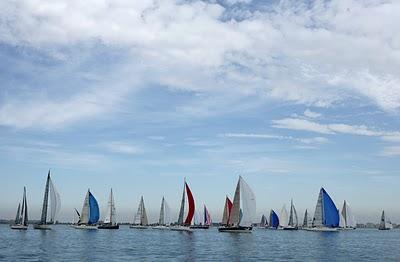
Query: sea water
65	243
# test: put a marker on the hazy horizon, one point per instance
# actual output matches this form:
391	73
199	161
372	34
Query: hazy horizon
136	95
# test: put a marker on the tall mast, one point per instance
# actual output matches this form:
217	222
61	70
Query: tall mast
182	209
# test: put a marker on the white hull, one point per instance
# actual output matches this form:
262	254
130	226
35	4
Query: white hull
19	227
161	227
181	228
88	227
42	227
138	227
321	229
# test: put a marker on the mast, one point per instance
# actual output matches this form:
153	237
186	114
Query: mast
43	219
182	209
190	214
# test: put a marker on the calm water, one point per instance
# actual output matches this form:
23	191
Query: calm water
68	244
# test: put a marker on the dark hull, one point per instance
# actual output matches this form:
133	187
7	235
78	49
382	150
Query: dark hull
290	228
236	229
108	227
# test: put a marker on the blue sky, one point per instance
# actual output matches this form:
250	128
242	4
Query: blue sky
136	95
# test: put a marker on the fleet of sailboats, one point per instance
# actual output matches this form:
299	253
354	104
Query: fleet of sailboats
90	214
237	215
140	220
48	218
243	209
21	219
184	225
110	218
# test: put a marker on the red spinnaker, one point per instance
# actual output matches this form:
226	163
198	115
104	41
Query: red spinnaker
190	215
230	204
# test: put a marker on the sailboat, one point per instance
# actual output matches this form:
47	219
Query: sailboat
273	220
204	222
227	212
140	221
385	223
185	225
243	209
347	220
283	218
55	205
326	215
293	223
110	218
21	219
164	220
90	214
307	220
263	222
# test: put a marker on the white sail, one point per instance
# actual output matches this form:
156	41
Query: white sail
236	210
318	214
141	216
283	218
182	208
84	218
348	216
167	213
293	219
248	204
24	211
110	217
342	221
55	202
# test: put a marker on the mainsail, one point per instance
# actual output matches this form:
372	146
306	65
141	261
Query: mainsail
263	222
24	211
227	211
293	221
207	217
141	215
283	218
110	217
191	209
244	205
385	222
18	216
326	213
164	213
54	202
90	211
347	215
306	222
273	219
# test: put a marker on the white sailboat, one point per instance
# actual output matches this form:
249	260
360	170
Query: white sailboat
293	223
243	209
54	206
283	218
385	223
307	220
140	221
21	219
90	214
347	220
326	215
110	218
184	225
164	219
202	221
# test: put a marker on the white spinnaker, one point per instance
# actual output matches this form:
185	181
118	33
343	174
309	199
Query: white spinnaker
283	218
85	210
248	204
55	202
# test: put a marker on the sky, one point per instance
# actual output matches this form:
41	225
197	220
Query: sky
136	95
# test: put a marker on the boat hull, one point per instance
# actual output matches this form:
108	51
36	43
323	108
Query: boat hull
138	227
321	229
42	227
235	229
161	228
384	228
108	226
19	227
181	228
200	227
290	228
86	227
347	228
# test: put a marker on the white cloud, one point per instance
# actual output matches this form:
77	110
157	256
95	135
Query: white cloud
391	151
122	148
301	124
311	114
312	140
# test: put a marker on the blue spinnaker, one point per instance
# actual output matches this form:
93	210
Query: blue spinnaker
274	219
94	210
331	214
